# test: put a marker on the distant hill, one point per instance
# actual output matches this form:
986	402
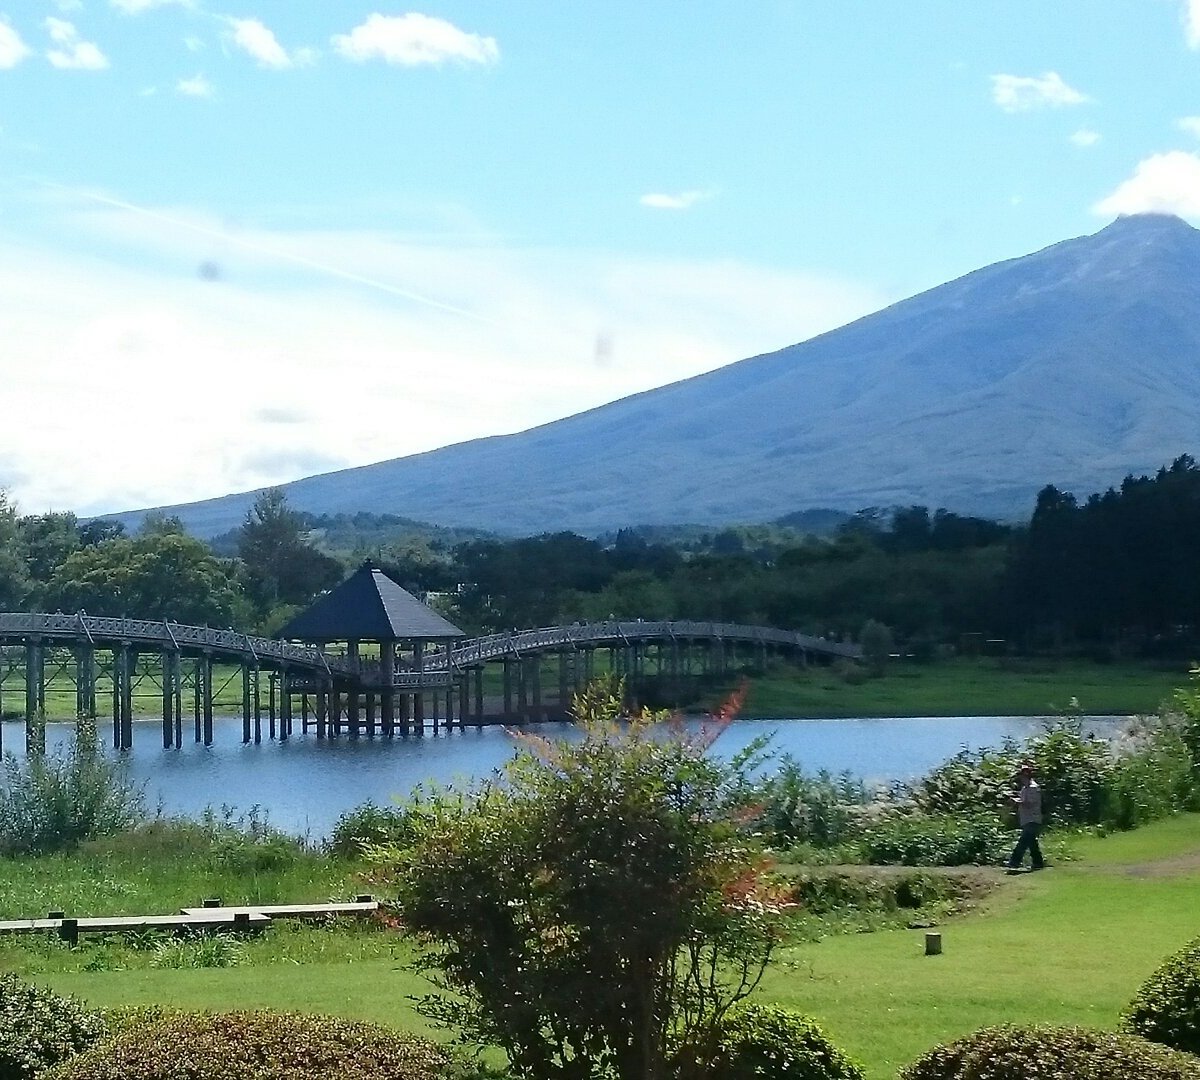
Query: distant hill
1072	366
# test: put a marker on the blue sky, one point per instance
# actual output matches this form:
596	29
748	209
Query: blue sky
244	242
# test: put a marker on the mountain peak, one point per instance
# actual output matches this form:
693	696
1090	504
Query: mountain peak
1147	224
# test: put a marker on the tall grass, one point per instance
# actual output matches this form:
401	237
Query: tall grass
54	801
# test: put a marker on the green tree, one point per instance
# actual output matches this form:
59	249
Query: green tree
596	914
14	578
162	575
877	645
281	566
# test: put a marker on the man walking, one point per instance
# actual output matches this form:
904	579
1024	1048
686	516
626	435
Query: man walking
1028	801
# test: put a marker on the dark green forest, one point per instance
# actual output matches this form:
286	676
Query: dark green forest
1114	574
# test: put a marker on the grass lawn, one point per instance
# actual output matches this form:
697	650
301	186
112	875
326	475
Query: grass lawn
1069	945
965	687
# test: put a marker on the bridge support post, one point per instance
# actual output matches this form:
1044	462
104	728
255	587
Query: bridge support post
271	688
285	704
478	673
522	689
369	707
304	713
197	700
256	702
35	717
322	711
508	688
128	665
535	673
206	666
246	718
85	694
353	722
170	680
566	660
387	697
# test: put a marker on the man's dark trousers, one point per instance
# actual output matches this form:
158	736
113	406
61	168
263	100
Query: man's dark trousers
1028	841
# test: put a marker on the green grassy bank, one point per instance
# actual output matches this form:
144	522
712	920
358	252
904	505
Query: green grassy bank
1069	945
965	687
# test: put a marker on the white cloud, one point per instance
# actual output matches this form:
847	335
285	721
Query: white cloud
1021	93
1162	183
1190	124
73	53
12	49
258	40
197	86
414	39
568	330
685	200
1191	23
69	5
136	7
1084	137
194	44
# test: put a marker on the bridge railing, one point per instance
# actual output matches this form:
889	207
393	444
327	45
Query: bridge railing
467	653
492	646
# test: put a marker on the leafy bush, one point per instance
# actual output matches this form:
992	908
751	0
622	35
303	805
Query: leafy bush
262	1045
39	1028
1051	1053
766	1042
943	840
795	808
1073	771
53	801
1151	781
819	893
369	825
597	903
1166	1008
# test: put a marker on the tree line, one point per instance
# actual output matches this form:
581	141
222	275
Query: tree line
1110	574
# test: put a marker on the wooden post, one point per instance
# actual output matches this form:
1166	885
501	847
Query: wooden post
387	698
207	668
256	695
353	722
168	698
246	717
285	705
35	720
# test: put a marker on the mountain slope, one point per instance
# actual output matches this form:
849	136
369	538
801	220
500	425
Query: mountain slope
1073	366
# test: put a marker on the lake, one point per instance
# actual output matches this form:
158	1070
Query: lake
304	785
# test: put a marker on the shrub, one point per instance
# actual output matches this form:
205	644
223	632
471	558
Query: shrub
369	825
821	893
39	1028
1051	1053
53	801
795	808
766	1042
1150	782
596	903
1166	1008
944	840
262	1045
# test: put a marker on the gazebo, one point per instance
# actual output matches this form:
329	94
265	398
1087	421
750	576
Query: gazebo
369	608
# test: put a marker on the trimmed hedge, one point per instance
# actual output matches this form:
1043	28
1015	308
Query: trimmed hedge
1166	1008
257	1046
766	1042
1052	1053
38	1028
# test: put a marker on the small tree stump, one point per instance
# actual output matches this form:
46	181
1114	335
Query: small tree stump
933	944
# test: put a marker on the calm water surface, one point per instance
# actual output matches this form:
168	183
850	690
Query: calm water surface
304	785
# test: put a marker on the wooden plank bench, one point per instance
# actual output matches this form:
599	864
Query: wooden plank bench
211	916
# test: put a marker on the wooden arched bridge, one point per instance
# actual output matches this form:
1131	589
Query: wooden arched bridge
332	692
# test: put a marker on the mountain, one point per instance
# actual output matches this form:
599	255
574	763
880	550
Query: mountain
1074	366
